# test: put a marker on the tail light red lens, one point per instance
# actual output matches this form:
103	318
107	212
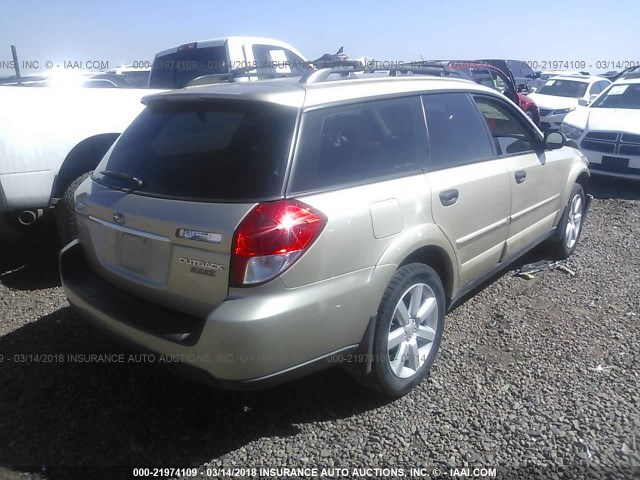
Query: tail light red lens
271	238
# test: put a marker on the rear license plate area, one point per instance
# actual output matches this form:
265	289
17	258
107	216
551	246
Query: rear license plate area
133	252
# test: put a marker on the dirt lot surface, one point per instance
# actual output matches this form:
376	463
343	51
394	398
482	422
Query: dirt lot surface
536	375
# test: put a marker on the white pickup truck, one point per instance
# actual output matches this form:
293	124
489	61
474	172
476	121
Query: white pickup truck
51	137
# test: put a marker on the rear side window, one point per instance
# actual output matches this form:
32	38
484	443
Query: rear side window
355	143
225	151
456	131
175	70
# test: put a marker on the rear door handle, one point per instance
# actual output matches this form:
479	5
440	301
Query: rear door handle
521	176
449	197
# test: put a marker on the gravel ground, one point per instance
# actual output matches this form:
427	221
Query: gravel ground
538	373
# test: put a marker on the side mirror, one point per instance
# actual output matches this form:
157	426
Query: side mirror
523	87
554	140
536	74
582	102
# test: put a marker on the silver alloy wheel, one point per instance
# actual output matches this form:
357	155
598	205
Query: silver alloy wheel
574	221
412	330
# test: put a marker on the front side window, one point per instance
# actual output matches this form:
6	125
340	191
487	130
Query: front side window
509	135
348	145
456	133
218	150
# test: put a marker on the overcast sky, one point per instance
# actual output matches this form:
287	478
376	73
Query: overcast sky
123	31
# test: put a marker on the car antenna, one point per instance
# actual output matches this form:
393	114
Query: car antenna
16	65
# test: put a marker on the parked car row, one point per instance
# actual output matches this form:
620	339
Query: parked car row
561	94
607	131
599	114
488	74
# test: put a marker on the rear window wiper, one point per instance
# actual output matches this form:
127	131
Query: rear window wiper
123	176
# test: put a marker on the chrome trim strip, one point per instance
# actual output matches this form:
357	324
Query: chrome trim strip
534	207
130	231
483	231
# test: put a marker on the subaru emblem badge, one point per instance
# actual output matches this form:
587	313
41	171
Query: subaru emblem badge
118	218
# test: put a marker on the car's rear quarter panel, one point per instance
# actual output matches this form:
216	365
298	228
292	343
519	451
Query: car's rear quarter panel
370	230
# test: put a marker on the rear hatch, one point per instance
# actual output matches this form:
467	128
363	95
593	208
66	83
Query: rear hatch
159	215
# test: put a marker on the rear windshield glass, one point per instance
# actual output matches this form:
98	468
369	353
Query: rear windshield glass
224	151
175	70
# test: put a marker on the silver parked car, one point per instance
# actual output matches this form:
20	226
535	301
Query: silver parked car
260	231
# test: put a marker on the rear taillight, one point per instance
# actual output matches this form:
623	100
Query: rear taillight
271	238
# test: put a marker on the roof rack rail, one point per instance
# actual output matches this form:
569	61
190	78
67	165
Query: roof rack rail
323	74
419	68
415	68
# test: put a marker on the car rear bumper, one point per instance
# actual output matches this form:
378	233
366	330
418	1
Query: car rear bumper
244	343
25	190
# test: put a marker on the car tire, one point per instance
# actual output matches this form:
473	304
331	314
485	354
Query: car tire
65	212
408	330
571	223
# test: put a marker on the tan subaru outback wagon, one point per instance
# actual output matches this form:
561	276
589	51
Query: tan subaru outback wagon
260	231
